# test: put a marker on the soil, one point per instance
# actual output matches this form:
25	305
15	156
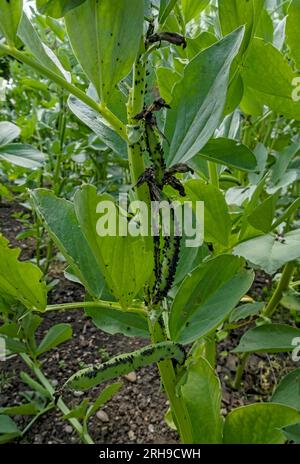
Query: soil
136	413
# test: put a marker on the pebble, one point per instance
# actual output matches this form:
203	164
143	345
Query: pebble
131	377
68	429
78	393
131	435
151	428
101	415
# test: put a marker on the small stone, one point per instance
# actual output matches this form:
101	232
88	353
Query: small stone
131	435
101	415
131	377
78	393
68	429
151	428
54	382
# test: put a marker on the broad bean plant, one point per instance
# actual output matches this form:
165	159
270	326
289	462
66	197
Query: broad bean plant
203	100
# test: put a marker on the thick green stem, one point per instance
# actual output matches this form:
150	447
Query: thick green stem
110	118
135	106
282	286
240	371
137	167
213	174
60	404
168	377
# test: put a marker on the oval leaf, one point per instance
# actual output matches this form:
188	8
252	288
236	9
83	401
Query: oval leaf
63	226
228	152
206	297
199	99
105	37
201	394
268	338
288	391
258	424
55	336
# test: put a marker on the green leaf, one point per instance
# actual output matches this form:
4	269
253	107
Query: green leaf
201	42
292	432
22	155
14	346
107	393
57	8
268	338
201	394
292	30
244	311
207	296
291	300
234	13
8	429
124	261
63	226
20	280
79	412
8	132
11	329
96	123
282	163
55	336
28	409
270	253
10	15
36	386
105	37
261	155
130	323
40	51
192	9
262	216
268	74
166	6
167	78
228	152
217	223
258	424
189	258
288	391
197	110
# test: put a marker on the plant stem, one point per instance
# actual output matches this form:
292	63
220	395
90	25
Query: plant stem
110	118
280	289
60	404
240	371
134	106
94	304
210	351
41	413
168	377
293	207
213	174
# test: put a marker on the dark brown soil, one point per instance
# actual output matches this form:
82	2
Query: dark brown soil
136	413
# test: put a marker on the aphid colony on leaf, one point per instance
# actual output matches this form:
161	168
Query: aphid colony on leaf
123	364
